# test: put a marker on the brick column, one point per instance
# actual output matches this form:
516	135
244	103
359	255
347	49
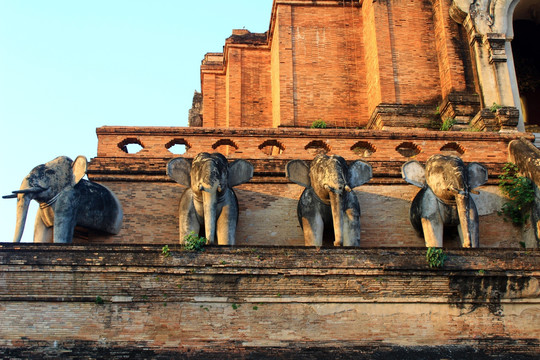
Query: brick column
379	64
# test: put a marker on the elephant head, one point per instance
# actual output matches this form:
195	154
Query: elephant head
328	200
209	200
445	199
66	200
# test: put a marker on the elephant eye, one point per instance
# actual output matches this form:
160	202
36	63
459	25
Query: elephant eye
50	172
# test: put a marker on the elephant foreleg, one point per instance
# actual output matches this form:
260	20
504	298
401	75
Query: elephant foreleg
433	231
187	217
351	228
42	232
313	230
226	227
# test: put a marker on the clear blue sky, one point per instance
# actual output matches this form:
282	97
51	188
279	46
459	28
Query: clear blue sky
68	67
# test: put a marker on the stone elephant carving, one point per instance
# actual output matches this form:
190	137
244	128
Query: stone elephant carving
328	200
66	200
209	201
445	199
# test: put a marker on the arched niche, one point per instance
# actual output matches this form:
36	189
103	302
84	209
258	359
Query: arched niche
408	149
178	146
272	147
225	146
130	145
452	148
317	146
363	149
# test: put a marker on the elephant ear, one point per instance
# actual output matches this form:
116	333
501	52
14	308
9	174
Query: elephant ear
298	172
240	171
180	171
413	172
360	172
79	168
477	174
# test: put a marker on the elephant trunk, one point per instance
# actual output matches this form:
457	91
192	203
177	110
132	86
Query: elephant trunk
468	220
24	198
336	204
210	214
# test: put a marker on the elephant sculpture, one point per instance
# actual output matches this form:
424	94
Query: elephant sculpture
209	201
66	200
328	200
445	199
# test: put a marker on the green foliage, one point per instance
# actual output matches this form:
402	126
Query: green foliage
494	107
435	257
519	192
447	124
99	300
235	306
165	251
318	124
194	242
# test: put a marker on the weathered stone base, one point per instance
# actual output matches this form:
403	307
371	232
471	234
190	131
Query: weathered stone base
507	349
266	302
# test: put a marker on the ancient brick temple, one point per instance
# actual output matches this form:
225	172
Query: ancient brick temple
381	79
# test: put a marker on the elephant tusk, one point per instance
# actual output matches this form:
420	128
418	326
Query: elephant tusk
31	190
457	191
348	188
11	196
326	187
201	188
475	192
219	189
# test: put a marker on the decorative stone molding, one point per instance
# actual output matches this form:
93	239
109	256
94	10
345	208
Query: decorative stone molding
489	32
401	116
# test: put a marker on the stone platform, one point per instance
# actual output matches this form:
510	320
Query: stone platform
267	301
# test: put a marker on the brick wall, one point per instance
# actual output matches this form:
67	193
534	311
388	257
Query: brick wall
268	202
259	299
337	62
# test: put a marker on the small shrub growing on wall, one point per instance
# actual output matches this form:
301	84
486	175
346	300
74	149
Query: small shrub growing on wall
519	192
318	124
447	124
194	242
435	257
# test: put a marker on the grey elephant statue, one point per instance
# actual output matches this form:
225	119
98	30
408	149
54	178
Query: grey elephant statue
445	199
66	200
329	202
209	201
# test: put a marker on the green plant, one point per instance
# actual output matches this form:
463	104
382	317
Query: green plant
437	110
255	307
435	257
519	192
165	251
481	272
235	306
494	107
447	124
99	300
194	242
522	244
318	124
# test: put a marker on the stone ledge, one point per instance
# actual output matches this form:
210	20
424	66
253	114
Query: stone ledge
467	349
